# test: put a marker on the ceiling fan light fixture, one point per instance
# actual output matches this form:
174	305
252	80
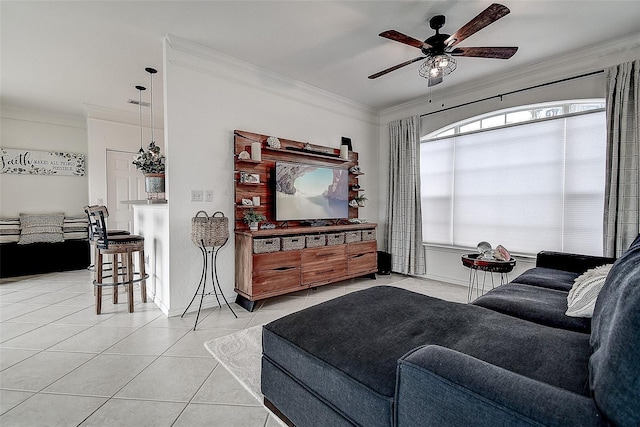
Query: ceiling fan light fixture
437	66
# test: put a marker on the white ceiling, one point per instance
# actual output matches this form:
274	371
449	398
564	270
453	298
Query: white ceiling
62	56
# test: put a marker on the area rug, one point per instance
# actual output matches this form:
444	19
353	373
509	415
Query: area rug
240	353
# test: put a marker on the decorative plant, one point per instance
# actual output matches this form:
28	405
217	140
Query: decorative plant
253	216
150	161
360	199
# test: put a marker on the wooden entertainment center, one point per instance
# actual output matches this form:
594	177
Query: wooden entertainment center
293	256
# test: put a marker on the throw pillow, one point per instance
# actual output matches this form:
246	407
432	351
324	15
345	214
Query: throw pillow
9	230
75	227
41	228
584	293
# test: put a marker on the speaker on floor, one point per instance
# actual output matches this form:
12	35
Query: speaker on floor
384	262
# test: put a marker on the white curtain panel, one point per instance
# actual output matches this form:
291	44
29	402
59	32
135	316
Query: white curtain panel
622	191
404	213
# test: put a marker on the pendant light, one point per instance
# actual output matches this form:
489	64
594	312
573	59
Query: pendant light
140	89
151	72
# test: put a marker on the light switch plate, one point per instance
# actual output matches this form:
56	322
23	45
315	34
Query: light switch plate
196	195
208	196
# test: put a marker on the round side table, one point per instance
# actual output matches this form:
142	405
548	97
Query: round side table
476	263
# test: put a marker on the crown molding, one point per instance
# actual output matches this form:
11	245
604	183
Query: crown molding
15	113
232	68
120	116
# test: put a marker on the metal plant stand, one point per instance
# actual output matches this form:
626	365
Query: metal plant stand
209	263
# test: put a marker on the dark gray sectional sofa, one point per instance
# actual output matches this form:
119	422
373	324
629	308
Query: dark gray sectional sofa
389	357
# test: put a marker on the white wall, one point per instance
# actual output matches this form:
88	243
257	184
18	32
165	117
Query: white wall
37	193
207	96
445	264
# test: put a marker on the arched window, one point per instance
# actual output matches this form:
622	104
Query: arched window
528	178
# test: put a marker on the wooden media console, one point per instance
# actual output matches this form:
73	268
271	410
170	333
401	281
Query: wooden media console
264	275
292	256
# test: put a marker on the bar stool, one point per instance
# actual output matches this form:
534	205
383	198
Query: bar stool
93	231
124	246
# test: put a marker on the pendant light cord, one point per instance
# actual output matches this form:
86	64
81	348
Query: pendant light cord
151	71
140	89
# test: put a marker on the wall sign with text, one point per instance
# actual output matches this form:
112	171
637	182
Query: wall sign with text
35	162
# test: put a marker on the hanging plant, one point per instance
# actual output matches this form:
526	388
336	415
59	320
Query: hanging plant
150	161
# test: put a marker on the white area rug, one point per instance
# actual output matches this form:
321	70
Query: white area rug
240	353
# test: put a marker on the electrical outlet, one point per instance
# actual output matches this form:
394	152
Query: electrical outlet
208	196
196	195
146	260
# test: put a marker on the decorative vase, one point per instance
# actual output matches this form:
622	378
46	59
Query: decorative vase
344	152
154	184
256	151
253	226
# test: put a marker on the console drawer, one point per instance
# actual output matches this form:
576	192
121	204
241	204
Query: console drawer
320	257
276	260
268	281
322	265
325	274
363	263
363	247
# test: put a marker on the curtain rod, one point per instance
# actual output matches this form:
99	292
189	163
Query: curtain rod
514	91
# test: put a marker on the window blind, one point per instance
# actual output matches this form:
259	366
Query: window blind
529	187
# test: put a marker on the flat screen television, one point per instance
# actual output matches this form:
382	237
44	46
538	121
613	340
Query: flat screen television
309	192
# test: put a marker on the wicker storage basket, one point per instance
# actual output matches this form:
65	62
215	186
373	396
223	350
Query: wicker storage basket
335	239
368	235
264	246
314	241
292	243
352	236
209	231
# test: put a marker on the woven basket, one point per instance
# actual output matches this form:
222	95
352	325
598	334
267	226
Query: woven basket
368	235
209	231
314	241
293	243
352	236
335	239
264	246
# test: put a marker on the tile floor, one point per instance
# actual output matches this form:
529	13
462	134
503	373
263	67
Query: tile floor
62	365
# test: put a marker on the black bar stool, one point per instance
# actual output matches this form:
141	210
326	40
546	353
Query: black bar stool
124	246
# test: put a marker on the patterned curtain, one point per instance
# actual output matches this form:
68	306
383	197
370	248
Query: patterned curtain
622	191
404	213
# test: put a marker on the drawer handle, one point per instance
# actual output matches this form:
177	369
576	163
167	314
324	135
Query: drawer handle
284	268
358	256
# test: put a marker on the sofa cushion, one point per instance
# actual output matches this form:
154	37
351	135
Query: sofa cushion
41	228
575	263
9	230
547	278
581	299
540	305
346	349
614	367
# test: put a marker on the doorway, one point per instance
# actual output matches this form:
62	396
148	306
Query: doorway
124	182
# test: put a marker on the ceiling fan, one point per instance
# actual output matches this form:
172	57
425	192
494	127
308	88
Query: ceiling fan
439	49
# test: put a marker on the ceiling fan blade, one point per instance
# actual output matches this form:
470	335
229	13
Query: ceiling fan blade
395	67
434	81
484	18
485	52
402	38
